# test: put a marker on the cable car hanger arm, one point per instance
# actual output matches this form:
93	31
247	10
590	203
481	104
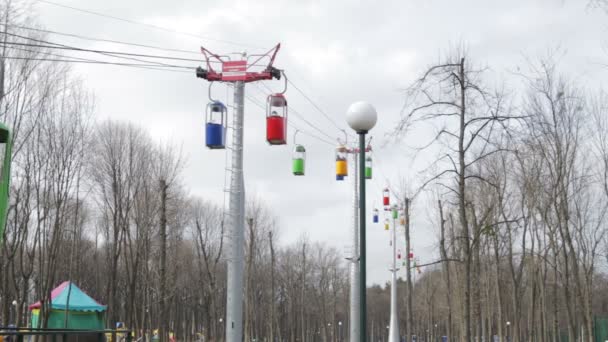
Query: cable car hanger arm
274	54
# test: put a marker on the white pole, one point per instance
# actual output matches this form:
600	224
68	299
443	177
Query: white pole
393	333
354	266
236	216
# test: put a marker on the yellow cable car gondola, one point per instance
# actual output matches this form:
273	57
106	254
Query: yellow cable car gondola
341	163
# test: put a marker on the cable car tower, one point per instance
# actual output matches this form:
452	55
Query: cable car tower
243	70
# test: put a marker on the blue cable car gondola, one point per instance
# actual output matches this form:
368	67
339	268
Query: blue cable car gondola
215	128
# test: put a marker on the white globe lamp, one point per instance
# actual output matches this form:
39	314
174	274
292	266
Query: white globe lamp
361	116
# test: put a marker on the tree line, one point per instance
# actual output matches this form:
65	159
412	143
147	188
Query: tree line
519	188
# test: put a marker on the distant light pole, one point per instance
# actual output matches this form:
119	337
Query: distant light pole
508	331
222	328
14	308
361	117
340	331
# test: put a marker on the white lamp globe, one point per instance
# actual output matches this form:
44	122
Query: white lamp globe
361	116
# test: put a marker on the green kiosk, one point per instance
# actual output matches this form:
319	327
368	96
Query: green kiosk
83	312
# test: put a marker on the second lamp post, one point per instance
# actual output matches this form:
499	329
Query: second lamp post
361	117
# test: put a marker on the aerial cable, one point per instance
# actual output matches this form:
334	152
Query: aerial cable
261	106
315	105
51	45
108	54
299	116
229	42
104	40
312	102
141	66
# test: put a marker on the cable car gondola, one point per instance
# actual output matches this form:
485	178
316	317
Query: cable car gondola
375	215
368	167
299	159
215	128
276	119
341	164
385	197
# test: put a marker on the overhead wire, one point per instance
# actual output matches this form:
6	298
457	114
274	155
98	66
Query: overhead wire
128	55
317	107
105	53
103	40
261	106
63	60
124	55
118	54
52	45
73	59
308	98
297	114
314	104
157	27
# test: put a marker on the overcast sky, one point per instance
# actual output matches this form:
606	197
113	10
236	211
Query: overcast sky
337	52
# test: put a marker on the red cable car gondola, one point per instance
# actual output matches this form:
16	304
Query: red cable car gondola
385	197
276	119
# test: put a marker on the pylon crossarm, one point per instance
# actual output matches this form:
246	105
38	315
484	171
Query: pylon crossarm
238	70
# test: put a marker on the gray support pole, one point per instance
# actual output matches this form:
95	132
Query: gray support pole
393	333
409	326
234	295
354	266
363	264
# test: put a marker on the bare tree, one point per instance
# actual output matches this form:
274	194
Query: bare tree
451	94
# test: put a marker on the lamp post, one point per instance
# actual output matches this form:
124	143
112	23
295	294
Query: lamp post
340	331
221	320
508	331
361	117
14	310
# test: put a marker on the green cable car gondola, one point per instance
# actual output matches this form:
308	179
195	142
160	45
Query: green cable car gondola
5	175
368	167
299	160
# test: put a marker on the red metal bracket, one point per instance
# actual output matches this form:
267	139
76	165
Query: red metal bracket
239	70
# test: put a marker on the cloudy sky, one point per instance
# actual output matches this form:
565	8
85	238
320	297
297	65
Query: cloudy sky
336	52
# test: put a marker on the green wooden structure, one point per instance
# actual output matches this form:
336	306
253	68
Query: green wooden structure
600	329
5	174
